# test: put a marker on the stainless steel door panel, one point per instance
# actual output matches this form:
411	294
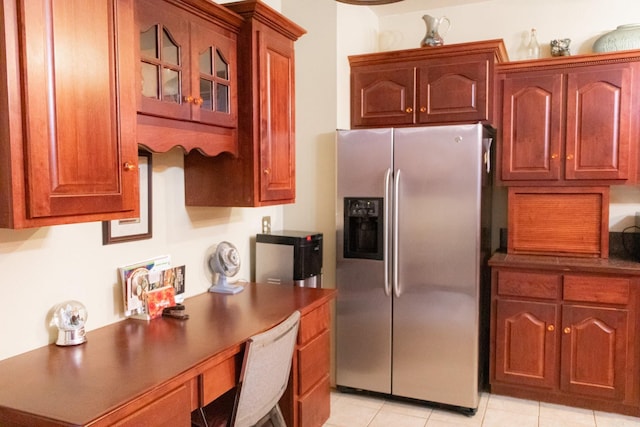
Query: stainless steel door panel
363	327
363	310
435	325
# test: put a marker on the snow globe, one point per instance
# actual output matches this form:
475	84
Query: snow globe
70	317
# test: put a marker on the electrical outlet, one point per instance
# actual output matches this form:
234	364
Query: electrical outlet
266	225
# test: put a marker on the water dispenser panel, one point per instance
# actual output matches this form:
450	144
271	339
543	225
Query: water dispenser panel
363	227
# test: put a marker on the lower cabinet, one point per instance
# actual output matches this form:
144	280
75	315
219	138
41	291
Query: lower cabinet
565	338
307	399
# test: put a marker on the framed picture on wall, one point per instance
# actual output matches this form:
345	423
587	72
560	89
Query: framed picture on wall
130	229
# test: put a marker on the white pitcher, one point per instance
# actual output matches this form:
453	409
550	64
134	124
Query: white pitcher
434	31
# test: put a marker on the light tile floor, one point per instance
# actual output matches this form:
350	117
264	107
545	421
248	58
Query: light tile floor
353	410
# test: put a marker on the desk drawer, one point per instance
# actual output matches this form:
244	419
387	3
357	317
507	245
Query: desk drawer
313	362
170	410
313	323
219	379
315	406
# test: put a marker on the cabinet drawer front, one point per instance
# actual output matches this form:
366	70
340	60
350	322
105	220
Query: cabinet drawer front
219	379
170	410
534	285
315	406
313	323
609	290
314	362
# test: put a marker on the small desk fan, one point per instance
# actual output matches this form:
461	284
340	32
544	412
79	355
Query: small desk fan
225	262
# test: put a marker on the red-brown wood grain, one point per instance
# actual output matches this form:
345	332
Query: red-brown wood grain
124	367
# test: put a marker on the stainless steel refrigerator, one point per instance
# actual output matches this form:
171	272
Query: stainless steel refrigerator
413	237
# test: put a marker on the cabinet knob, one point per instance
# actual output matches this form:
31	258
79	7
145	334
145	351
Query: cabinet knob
567	330
188	99
267	171
551	328
409	110
129	166
554	156
198	101
423	109
570	157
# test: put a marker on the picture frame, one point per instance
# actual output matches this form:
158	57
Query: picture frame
131	229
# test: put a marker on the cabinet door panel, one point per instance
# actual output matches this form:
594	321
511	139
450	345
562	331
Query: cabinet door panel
526	343
162	94
531	135
594	351
382	97
277	139
598	124
76	142
213	77
453	92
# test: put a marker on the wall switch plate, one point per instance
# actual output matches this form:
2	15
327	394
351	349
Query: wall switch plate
266	225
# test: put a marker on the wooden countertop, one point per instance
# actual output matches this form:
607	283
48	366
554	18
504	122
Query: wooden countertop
122	361
568	264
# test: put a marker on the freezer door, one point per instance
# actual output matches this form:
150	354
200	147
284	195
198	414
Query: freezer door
363	308
435	313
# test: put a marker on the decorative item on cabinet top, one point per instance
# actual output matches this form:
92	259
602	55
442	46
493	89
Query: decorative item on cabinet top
434	34
624	37
368	2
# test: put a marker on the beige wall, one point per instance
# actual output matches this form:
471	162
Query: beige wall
42	267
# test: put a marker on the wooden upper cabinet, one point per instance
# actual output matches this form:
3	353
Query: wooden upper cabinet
532	125
263	173
67	143
599	119
455	91
449	84
382	95
569	124
187	76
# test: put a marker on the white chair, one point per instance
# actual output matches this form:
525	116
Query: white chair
263	378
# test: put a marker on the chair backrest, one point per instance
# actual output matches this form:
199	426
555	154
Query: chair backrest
265	371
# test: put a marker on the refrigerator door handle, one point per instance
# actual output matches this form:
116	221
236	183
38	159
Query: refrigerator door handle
386	242
396	243
487	153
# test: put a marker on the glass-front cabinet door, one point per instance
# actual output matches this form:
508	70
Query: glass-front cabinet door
163	62
213	77
186	67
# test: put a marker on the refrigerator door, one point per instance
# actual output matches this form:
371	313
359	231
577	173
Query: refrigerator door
435	314
363	308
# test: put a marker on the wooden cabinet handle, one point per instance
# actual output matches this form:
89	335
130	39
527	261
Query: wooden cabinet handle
188	99
129	166
570	157
551	328
423	109
198	101
554	156
409	110
267	171
567	330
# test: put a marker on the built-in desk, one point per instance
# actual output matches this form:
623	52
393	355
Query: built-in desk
155	373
